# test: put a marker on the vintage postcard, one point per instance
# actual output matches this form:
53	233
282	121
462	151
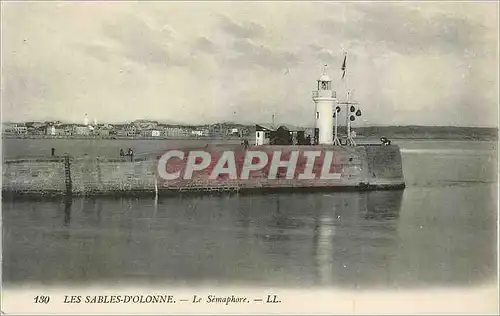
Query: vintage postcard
227	157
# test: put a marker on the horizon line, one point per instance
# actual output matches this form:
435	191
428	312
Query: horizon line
246	124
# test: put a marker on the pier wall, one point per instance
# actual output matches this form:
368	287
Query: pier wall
93	176
40	176
384	163
87	176
363	167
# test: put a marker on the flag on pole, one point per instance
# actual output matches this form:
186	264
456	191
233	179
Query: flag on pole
344	66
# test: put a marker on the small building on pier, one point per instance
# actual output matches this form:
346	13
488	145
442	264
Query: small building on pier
283	134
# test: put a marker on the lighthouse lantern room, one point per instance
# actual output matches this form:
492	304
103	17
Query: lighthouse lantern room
325	100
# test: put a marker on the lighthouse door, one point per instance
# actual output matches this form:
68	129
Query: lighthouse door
316	136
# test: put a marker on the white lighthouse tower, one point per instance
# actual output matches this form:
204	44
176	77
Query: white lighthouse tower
325	99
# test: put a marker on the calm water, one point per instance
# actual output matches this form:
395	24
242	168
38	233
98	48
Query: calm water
439	231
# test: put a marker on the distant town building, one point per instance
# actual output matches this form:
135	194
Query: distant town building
144	128
175	132
65	130
103	132
8	129
50	130
145	124
200	132
127	130
245	132
36	125
20	129
82	130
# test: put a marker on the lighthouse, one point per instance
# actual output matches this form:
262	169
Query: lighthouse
325	99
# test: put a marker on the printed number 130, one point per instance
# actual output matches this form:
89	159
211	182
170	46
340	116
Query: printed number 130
42	299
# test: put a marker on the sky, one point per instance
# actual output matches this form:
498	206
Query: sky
433	63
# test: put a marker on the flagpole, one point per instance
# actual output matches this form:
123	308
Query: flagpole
344	66
336	141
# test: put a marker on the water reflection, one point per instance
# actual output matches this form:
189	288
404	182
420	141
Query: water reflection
67	211
342	239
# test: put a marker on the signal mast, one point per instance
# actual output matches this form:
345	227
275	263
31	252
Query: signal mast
351	109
